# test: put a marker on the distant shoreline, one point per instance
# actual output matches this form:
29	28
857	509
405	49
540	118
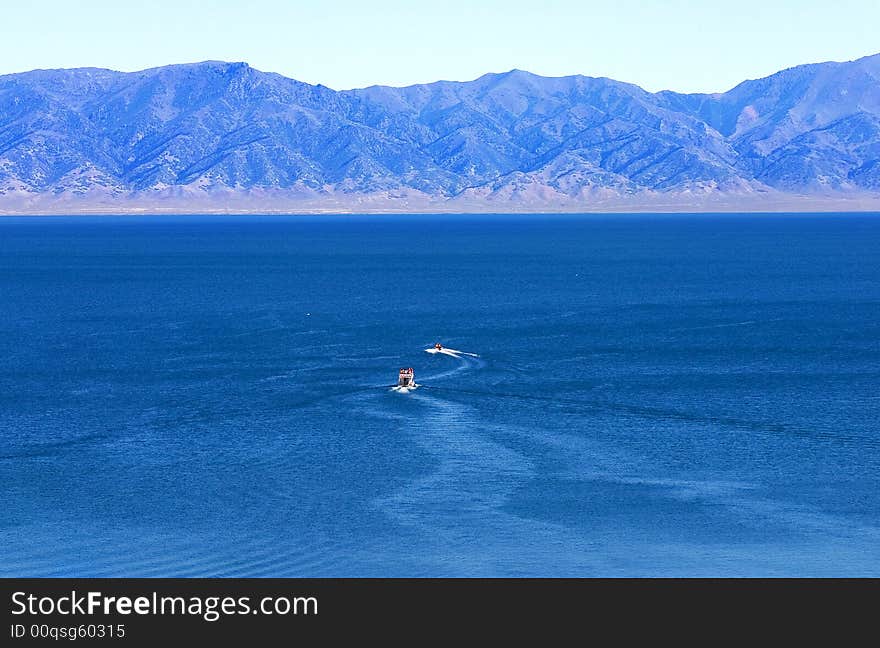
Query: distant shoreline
864	205
112	214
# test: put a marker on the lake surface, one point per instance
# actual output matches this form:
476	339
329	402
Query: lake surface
651	395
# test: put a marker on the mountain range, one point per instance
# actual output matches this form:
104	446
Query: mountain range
217	136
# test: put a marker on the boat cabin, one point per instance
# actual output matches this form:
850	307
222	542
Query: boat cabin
406	378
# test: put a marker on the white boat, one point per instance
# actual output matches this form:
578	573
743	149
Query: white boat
406	378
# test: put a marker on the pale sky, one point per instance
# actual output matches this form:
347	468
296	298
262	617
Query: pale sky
684	45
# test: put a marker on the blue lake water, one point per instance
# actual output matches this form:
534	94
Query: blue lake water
654	395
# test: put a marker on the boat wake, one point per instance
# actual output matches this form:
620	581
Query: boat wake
455	353
466	361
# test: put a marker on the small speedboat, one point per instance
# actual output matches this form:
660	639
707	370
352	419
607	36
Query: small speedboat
406	378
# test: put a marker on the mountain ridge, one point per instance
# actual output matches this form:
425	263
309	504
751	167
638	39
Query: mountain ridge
217	136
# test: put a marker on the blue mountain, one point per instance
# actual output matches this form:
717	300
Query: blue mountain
224	135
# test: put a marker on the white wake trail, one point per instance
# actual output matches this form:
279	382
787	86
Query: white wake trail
455	353
467	361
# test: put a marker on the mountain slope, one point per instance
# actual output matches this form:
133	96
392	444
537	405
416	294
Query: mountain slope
806	128
224	131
